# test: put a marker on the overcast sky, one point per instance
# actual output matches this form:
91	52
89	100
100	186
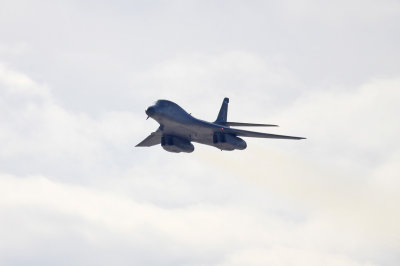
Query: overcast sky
76	77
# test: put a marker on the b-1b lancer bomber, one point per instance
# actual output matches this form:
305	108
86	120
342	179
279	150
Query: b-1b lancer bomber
178	129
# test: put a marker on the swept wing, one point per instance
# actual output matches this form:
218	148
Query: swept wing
246	133
239	124
153	139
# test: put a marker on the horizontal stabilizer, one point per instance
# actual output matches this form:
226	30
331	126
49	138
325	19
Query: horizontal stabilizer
239	124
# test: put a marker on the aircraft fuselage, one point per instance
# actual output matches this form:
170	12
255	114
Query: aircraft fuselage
175	121
178	129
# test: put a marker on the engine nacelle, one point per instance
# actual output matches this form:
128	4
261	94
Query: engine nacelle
228	142
176	144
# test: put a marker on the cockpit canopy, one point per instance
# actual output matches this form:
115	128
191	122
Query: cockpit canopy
163	103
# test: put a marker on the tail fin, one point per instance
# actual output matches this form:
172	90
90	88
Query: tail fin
223	112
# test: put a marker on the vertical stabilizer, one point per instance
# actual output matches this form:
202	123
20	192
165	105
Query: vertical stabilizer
223	112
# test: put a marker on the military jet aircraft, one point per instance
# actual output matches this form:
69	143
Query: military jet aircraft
178	129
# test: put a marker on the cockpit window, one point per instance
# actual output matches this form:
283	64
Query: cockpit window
162	103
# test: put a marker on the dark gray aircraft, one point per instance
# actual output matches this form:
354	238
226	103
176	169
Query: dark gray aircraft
178	129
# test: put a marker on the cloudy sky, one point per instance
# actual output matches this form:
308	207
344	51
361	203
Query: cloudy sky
76	77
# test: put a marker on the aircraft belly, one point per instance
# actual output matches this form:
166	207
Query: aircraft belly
192	132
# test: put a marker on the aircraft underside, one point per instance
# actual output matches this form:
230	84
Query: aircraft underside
221	141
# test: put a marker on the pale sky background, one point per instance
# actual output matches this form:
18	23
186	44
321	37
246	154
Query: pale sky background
76	77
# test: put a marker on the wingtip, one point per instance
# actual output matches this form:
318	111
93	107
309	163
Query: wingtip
298	138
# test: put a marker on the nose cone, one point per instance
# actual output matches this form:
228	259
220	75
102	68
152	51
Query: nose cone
150	111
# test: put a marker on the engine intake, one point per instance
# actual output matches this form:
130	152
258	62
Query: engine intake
228	142
176	144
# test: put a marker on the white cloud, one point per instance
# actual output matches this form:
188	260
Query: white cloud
264	205
248	79
38	131
201	234
313	211
289	256
342	12
356	128
74	191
